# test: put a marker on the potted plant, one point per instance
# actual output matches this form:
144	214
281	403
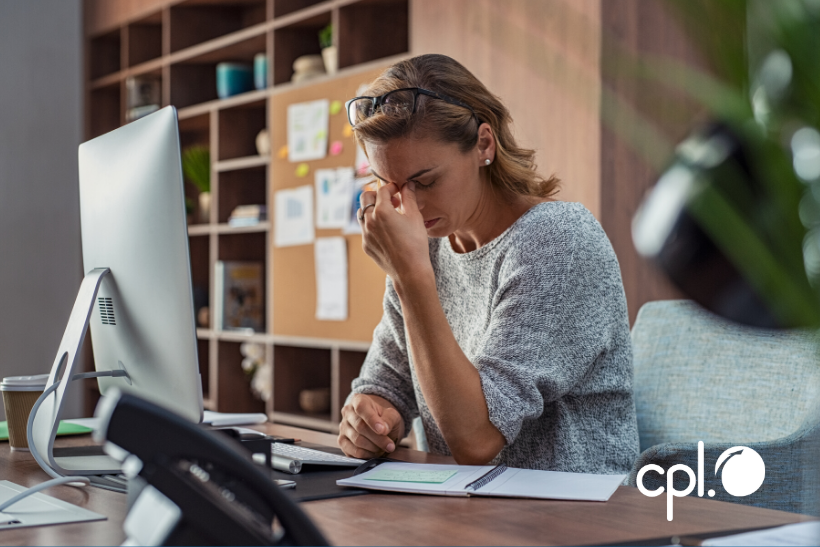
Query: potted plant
329	53
196	165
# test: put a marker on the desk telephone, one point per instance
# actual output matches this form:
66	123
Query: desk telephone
202	487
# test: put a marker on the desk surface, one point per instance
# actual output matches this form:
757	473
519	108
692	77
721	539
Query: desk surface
406	519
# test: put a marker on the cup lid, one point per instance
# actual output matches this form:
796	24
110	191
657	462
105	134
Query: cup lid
24	383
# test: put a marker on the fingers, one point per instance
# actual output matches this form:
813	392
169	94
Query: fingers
358	429
355	444
386	193
369	414
395	422
367	198
408	198
367	202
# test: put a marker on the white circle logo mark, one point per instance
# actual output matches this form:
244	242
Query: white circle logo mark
743	472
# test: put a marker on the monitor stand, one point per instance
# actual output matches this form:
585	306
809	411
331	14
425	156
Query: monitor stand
46	420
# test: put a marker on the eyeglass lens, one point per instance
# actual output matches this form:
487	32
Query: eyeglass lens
396	103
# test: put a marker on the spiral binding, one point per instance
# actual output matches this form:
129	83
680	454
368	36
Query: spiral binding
487	478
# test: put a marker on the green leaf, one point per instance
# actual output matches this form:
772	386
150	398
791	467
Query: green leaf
196	165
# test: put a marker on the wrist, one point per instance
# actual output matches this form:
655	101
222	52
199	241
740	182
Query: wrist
414	283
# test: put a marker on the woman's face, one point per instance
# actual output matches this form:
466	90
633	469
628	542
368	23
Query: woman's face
449	187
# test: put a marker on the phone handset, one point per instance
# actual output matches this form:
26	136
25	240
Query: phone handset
221	496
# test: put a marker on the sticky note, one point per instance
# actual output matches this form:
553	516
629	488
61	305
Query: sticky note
347	131
335	107
302	170
336	148
283	152
396	475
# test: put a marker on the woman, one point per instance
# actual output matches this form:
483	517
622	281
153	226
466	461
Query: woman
505	324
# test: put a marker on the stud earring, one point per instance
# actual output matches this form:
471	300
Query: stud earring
487	161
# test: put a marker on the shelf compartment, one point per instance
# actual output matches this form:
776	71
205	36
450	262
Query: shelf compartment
284	7
197	21
144	40
199	247
193	80
105	54
203	352
195	130
292	41
238	128
296	369
245	187
242	246
105	109
247	247
359	44
234	393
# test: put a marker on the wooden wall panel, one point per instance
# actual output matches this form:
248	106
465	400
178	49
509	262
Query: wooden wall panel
642	26
542	58
294	277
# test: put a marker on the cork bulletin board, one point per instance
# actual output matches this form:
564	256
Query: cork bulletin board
292	268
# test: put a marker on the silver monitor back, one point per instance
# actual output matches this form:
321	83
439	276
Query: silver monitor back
132	208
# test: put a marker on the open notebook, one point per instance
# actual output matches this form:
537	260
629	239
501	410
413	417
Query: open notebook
485	480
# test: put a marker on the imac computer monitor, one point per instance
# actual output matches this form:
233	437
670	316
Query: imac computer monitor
132	210
133	222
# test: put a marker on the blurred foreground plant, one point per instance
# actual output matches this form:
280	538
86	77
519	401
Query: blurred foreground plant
734	219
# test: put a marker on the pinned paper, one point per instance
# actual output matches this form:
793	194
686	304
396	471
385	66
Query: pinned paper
307	130
330	254
294	217
336	148
302	170
358	187
333	188
347	131
335	107
283	152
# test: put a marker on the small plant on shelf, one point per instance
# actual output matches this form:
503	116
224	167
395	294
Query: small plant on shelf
196	164
329	55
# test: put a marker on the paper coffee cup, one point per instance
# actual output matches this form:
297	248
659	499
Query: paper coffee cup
19	395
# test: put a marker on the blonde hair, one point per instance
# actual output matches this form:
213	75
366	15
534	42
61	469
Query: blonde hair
512	172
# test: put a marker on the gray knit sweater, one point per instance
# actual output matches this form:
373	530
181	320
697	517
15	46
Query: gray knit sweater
540	312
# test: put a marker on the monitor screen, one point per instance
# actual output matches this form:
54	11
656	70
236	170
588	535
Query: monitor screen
133	221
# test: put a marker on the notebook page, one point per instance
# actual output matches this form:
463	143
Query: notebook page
453	486
530	483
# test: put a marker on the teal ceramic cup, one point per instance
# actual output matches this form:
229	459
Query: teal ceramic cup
260	71
232	79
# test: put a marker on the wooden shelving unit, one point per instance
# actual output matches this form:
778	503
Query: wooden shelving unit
181	42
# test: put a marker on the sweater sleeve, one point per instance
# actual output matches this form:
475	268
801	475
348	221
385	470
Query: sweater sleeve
386	369
549	324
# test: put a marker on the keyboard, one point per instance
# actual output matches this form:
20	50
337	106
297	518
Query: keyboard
290	458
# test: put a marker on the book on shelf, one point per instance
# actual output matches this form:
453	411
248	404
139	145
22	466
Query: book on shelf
248	215
240	299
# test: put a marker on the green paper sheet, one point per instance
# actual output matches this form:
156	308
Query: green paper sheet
430	477
64	429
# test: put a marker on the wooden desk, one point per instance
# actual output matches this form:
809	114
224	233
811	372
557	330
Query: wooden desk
400	519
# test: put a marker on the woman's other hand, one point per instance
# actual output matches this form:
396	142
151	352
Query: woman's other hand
370	427
395	240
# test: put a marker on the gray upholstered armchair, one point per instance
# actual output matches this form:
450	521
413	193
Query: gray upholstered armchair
699	378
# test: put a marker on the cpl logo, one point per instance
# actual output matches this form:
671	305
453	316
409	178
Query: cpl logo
742	474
